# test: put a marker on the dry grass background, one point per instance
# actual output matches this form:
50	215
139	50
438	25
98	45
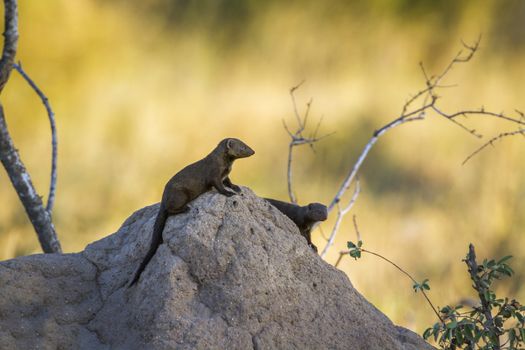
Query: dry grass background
139	93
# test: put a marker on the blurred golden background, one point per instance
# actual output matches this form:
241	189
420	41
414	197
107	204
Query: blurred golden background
142	88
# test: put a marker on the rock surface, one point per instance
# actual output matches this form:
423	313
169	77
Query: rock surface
233	273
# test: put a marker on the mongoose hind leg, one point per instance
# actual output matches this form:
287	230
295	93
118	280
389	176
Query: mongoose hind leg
177	203
182	210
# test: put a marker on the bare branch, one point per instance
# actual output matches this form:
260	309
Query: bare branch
289	173
353	172
415	108
428	99
51	116
341	212
21	180
341	254
297	139
492	140
482	292
9	156
480	112
357	233
10	41
296	112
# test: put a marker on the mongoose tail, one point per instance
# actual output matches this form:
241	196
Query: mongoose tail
156	240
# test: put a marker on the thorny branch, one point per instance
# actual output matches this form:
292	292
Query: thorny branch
494	139
9	156
428	98
341	212
416	108
482	292
51	116
297	138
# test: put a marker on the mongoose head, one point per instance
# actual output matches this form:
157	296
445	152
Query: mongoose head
235	148
316	212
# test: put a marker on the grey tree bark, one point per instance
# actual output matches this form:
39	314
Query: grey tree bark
38	215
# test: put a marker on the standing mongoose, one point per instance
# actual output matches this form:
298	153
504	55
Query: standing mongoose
304	217
192	181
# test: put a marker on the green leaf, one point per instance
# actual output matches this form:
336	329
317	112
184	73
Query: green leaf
359	244
468	332
512	335
505	258
425	285
446	310
355	253
459	336
436	328
427	333
452	325
350	245
477	335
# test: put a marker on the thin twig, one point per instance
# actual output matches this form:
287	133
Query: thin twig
340	214
480	112
358	234
297	139
51	116
345	252
491	142
292	95
291	194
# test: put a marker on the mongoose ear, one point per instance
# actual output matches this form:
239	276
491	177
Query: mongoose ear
229	144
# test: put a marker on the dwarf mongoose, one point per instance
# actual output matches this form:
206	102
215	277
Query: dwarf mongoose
304	217
192	181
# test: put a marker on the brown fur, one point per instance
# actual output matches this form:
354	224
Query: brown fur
304	217
192	181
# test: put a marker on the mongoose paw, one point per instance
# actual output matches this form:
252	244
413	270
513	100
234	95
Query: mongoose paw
236	188
229	193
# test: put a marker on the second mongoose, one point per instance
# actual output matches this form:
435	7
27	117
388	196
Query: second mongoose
303	216
192	181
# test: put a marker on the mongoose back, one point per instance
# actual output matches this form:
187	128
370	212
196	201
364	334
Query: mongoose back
304	217
192	181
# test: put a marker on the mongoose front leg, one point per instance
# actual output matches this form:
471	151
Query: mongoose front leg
228	183
221	189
